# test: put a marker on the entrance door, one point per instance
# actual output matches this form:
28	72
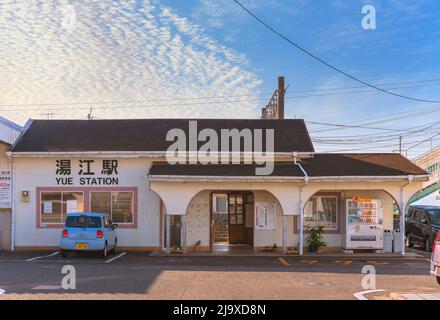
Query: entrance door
240	232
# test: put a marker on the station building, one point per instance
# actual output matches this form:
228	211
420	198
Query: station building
121	167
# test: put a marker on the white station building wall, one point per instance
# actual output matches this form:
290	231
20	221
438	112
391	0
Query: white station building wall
33	173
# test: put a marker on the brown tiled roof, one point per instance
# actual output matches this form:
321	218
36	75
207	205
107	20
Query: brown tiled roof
361	164
369	164
146	134
281	169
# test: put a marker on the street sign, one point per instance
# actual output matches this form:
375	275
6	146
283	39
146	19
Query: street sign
5	189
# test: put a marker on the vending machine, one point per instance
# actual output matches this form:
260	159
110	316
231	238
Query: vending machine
364	229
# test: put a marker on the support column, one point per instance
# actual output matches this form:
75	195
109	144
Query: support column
284	234
183	233
402	227
168	228
301	227
402	221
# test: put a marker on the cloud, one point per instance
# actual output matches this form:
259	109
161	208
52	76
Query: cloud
232	20
137	52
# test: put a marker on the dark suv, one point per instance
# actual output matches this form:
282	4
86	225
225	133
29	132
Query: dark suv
422	225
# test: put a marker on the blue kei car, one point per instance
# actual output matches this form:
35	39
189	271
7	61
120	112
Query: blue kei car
88	232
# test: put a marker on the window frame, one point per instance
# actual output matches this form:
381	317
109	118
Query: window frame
86	203
314	198
215	196
111	204
63	214
340	227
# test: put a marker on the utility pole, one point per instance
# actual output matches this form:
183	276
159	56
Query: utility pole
281	92
400	144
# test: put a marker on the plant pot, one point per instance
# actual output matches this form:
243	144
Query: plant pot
312	248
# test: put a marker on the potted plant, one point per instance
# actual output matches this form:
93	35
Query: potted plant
176	249
197	246
315	239
272	248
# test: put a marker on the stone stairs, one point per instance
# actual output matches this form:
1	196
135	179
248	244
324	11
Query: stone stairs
221	233
221	228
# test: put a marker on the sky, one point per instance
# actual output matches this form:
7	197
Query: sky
204	58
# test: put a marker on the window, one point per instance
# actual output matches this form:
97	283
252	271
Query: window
118	204
321	211
434	216
220	203
265	215
419	216
83	222
107	222
55	205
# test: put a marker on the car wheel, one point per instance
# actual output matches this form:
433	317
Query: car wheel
427	245
104	251
409	244
438	279
115	248
63	253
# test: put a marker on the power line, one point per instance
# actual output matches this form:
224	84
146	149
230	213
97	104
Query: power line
279	34
387	119
414	130
209	97
349	126
417	144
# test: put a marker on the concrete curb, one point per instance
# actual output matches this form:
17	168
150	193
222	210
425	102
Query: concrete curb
295	256
396	296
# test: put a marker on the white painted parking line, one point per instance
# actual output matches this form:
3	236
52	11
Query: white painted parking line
2	291
46	287
361	295
419	296
117	257
41	257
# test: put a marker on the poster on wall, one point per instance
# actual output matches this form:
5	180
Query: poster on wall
5	189
47	207
265	215
72	206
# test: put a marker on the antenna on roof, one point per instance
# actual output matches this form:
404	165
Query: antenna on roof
275	108
48	114
89	115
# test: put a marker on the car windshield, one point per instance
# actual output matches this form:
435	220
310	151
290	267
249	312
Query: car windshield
83	222
435	216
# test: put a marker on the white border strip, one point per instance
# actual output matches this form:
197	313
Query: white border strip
213	178
360	295
41	257
117	257
2	291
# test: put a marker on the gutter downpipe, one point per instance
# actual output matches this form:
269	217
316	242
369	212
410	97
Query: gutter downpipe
301	208
402	215
9	155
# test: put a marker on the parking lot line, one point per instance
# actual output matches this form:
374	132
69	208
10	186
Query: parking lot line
2	291
47	287
309	261
284	262
344	262
377	263
361	295
41	257
117	257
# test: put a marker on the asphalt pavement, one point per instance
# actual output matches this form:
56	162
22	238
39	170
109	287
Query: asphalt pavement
127	275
